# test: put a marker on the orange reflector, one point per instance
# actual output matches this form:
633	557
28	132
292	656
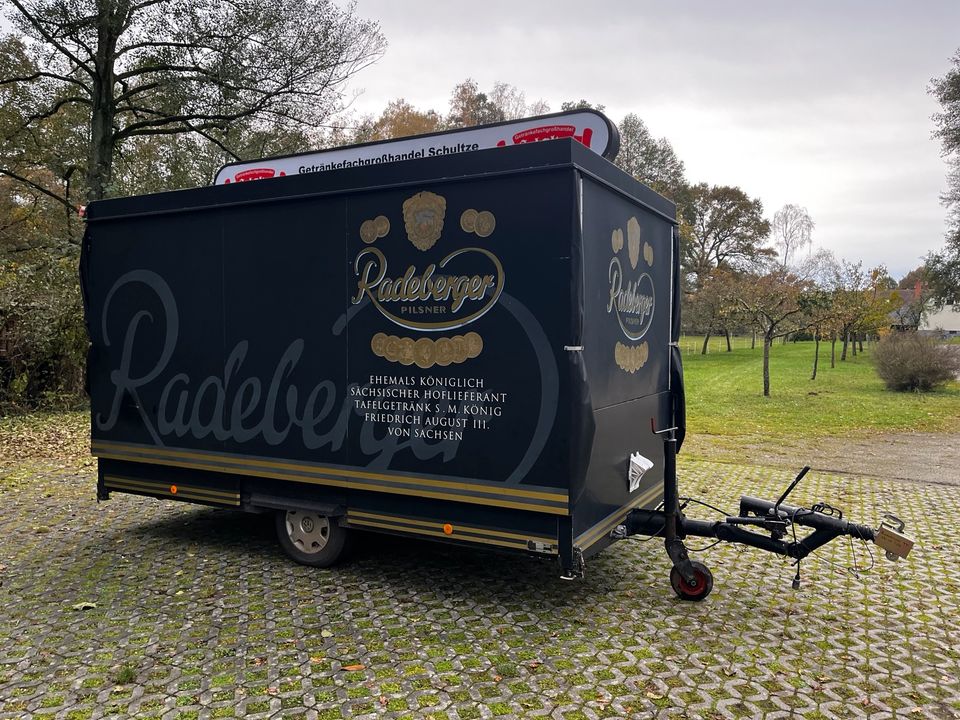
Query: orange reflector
173	489
448	529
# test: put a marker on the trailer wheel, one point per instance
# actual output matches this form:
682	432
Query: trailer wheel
310	538
692	591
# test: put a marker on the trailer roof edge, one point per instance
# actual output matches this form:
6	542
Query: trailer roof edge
522	159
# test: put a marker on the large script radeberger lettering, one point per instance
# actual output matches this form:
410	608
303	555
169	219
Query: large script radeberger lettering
229	406
633	301
123	381
435	285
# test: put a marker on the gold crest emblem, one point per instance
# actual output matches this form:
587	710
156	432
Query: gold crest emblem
406	351
633	241
616	240
631	358
468	220
426	353
423	218
481	222
485	224
368	231
373	230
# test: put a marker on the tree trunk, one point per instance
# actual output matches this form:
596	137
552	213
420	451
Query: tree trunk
853	345
861	343
753	339
846	342
706	339
767	342
833	350
100	159
726	332
816	353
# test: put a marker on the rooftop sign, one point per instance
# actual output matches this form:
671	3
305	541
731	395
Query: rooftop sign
589	127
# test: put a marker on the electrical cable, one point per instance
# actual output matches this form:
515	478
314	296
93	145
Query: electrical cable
648	538
706	547
706	505
873	560
853	572
827	509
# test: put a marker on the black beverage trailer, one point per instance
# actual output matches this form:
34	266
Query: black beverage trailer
477	349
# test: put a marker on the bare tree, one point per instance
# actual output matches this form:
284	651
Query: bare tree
136	68
510	99
791	232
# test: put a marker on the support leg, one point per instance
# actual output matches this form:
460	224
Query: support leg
673	540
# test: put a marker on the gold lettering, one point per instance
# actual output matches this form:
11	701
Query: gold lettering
370	267
365	284
613	275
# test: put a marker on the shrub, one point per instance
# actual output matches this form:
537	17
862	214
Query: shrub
42	337
908	361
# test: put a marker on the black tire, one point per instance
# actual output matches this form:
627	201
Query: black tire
696	591
310	538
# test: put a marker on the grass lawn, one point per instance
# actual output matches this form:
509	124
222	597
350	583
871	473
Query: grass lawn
725	395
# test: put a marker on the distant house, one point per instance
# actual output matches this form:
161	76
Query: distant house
915	313
943	323
909	315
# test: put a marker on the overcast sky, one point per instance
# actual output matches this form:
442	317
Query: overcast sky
822	104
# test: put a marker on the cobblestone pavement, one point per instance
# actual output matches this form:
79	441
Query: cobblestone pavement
198	615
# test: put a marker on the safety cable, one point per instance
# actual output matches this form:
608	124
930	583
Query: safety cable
687	500
705	547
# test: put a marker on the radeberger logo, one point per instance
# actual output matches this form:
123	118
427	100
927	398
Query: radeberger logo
447	293
632	298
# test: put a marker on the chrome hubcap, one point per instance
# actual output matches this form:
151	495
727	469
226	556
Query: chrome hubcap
309	532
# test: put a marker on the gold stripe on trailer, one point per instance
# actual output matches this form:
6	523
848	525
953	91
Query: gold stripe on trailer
228	459
359	515
590	537
165	492
555	505
474	535
187	492
155	485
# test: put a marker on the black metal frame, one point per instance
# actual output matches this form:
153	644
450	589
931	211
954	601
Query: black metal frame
771	516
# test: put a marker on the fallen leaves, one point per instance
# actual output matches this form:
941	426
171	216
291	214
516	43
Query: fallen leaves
61	438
